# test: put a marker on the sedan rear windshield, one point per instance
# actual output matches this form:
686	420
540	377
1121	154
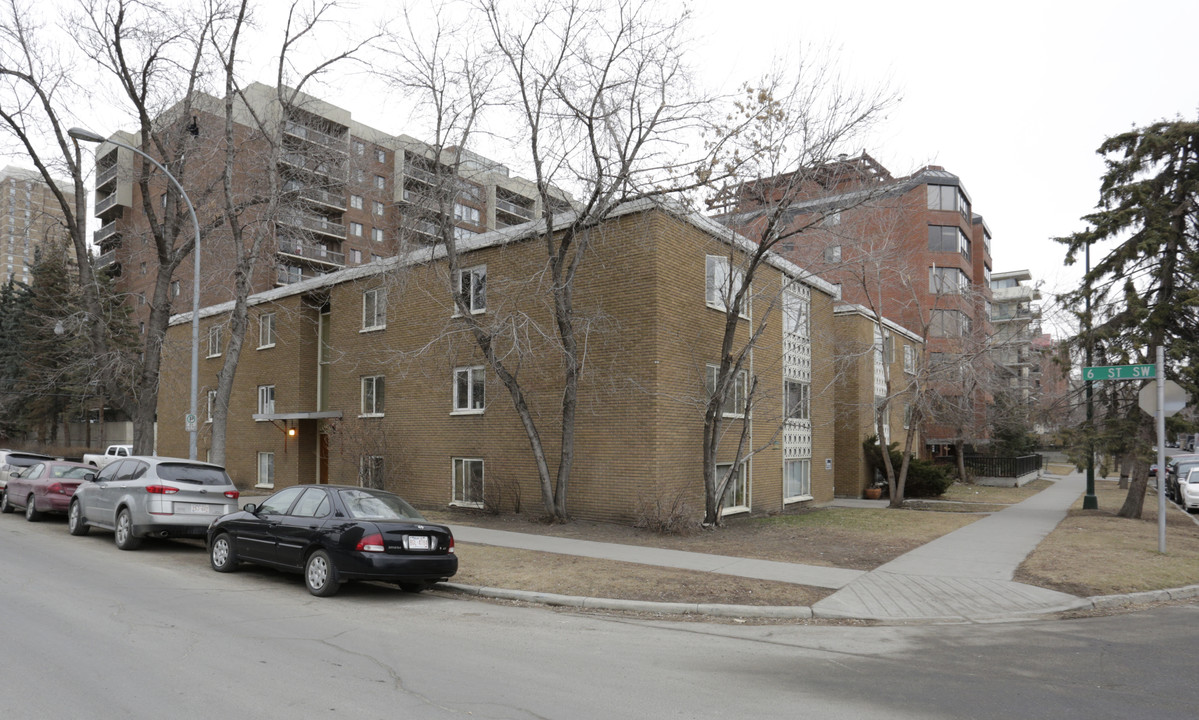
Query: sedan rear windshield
367	505
194	474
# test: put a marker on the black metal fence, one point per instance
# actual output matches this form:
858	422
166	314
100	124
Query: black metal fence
1013	467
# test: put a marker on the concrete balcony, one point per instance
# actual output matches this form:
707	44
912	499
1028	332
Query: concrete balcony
105	203
315	224
309	251
337	201
316	166
319	137
107	258
106	231
107	176
513	209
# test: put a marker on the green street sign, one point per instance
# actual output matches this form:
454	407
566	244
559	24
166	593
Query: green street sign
1120	372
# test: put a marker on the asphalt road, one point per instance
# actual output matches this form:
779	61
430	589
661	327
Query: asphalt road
90	631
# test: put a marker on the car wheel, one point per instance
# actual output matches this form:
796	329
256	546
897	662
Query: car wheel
4	506
31	513
75	523
414	587
124	536
320	574
223	557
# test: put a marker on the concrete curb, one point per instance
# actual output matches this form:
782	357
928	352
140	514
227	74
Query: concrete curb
800	612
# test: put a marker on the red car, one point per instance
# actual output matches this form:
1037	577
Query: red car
44	487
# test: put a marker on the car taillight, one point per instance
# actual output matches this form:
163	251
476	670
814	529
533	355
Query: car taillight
54	488
371	543
451	548
232	494
161	489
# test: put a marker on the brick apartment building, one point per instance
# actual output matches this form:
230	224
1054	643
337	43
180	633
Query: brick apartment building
369	367
348	195
910	246
30	217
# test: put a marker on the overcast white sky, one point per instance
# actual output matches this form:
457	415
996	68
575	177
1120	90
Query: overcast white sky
1013	97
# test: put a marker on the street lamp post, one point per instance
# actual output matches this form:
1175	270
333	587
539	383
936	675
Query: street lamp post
89	136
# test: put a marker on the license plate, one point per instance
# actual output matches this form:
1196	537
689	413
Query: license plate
198	509
418	542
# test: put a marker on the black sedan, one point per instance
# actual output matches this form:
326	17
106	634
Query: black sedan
335	533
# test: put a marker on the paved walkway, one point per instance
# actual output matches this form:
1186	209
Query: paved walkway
965	575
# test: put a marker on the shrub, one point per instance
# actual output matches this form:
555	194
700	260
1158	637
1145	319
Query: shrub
924	479
666	515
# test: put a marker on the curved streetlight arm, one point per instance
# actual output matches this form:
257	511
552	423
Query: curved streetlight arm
89	136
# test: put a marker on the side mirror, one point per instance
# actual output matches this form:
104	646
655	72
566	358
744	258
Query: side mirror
89	477
250	508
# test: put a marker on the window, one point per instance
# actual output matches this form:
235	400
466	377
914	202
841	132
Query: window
266	330
472	288
371	471
356	229
378	207
142	269
832	254
372	396
380	156
468	390
355	255
214	340
949	323
831	219
797	479
380	182
909	359
888	348
359	147
211	404
947	280
907	415
468	482
356	202
465	213
734	404
174	288
795	314
141	298
736	495
948	238
313	503
948	197
722	282
798	399
266	476
374	309
359	175
266	399
377	234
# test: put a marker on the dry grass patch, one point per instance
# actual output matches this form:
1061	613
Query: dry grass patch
1093	552
588	577
959	492
861	539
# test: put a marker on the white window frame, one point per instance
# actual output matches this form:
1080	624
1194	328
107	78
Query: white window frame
909	359
458	469
470	405
356	202
799	406
795	314
375	300
215	340
791	492
721	283
378	395
211	405
359	148
266	399
475	290
379	208
266	470
737	398
380	182
377	234
743	481
380	155
266	331
356	229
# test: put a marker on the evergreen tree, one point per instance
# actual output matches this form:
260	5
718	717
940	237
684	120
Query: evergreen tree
14	302
1143	291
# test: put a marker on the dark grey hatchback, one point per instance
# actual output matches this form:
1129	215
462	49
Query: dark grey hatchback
335	533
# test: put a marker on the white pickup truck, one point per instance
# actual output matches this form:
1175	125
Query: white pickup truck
111	453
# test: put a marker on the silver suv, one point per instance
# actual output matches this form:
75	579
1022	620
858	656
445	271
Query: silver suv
142	496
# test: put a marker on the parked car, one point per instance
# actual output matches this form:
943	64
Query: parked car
1176	467
44	487
1188	490
146	496
15	461
335	533
111	454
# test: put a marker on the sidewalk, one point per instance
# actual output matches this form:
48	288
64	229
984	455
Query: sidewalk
965	575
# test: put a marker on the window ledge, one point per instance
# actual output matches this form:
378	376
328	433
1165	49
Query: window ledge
371	415
266	347
208	357
265	486
373	328
735	510
798	498
460	504
468	412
